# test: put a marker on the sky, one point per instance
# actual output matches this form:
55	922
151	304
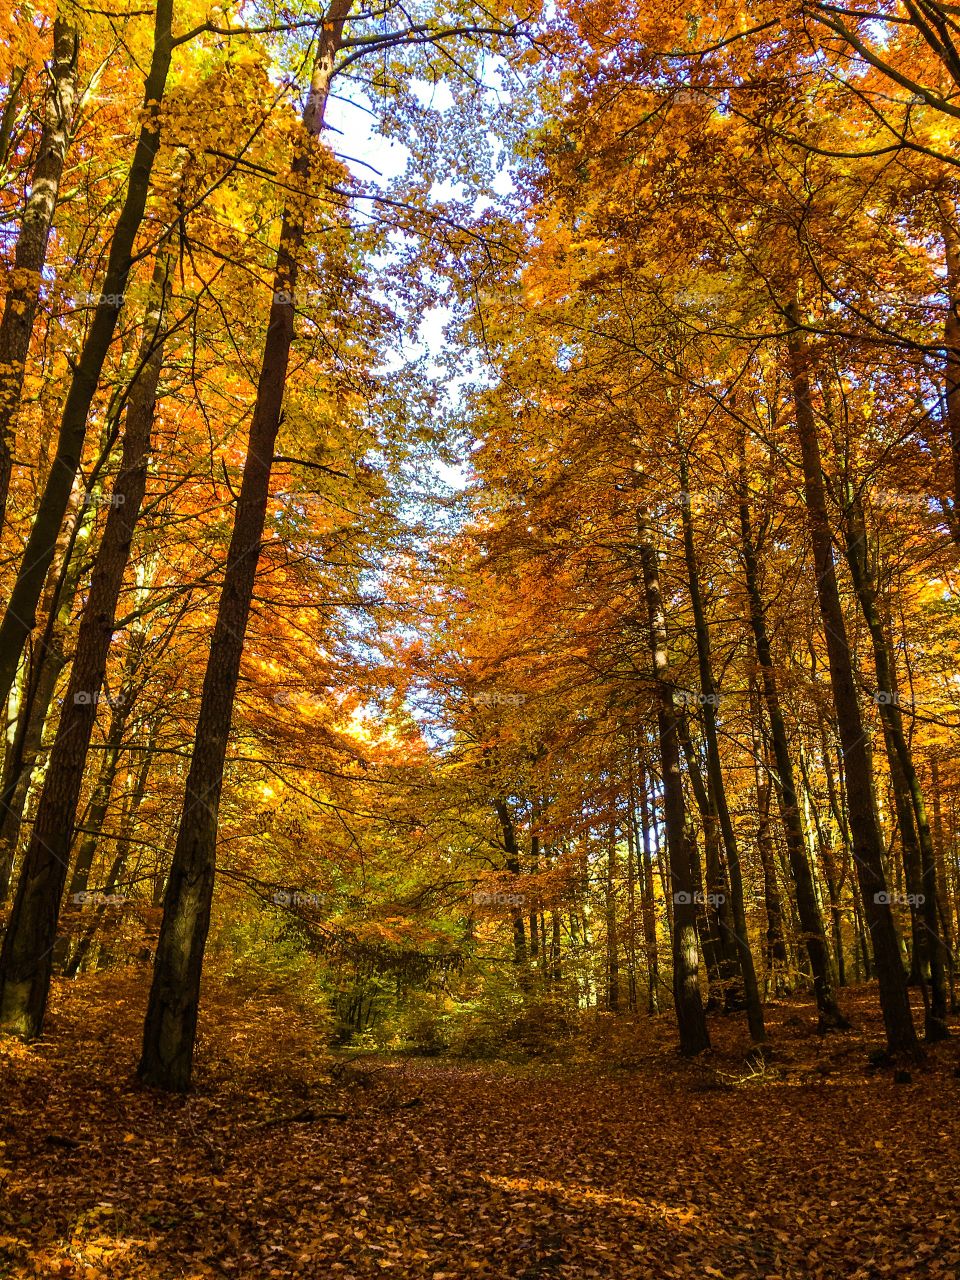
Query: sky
376	160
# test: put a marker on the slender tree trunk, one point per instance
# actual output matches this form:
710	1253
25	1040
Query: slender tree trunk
99	804
83	953
867	844
691	1020
836	874
943	881
866	959
776	951
912	866
121	857
512	864
811	923
26	959
631	931
171	1021
8	117
18	620
834	889
98	808
713	893
100	800
40	683
649	902
48	658
535	939
920	860
820	844
710	697
96	816
128	821
660	858
20	305
610	910
951	341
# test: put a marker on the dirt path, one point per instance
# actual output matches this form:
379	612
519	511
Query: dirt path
445	1171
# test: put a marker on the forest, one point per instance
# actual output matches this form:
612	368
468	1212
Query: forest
479	639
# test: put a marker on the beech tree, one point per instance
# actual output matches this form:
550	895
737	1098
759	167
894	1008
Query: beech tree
170	1028
19	616
20	303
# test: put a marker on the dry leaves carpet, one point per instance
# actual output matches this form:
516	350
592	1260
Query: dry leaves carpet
282	1164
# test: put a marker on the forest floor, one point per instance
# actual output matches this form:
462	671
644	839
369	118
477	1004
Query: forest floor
644	1166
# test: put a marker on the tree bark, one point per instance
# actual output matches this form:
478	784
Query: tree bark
775	953
48	658
121	857
20	305
610	911
171	1021
95	815
8	117
512	864
943	881
26	959
920	859
811	923
951	342
19	618
715	916
710	699
630	947
691	1020
867	843
649	902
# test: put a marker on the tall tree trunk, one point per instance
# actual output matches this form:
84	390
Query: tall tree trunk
865	966
47	660
951	341
535	940
713	893
18	620
912	866
818	843
834	889
710	700
835	874
943	880
811	924
20	305
512	864
776	950
171	1021
96	812
659	858
691	1020
630	946
26	959
128	820
8	117
610	911
556	970
95	818
920	859
649	902
867	843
